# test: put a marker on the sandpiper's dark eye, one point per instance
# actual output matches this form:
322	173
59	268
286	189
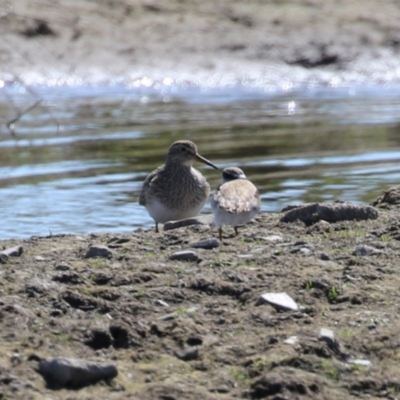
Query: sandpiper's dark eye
183	148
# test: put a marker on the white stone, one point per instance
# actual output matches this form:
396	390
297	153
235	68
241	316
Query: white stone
291	340
357	361
273	238
281	300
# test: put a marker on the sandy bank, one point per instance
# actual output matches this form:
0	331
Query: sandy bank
223	40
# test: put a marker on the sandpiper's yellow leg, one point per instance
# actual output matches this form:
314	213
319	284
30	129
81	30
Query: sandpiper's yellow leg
220	233
236	231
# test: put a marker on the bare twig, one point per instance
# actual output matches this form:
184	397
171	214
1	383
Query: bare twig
10	124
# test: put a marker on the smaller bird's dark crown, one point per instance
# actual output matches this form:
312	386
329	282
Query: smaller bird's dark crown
229	174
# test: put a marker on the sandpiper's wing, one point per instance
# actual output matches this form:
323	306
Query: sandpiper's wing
237	196
150	179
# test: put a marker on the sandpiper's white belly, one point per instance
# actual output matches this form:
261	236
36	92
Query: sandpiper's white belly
161	213
223	217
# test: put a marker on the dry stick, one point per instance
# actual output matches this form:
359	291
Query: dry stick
20	114
33	93
10	124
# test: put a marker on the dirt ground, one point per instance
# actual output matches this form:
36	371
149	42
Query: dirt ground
125	38
197	329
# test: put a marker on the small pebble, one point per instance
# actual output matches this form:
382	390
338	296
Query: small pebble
305	252
163	303
187	354
168	317
62	267
324	257
326	334
207	244
185	255
365	251
365	363
99	251
200	220
291	340
273	238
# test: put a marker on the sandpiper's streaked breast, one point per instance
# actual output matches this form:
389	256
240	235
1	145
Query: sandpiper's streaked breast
176	190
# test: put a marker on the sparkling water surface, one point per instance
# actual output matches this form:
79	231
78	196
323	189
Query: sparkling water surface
76	161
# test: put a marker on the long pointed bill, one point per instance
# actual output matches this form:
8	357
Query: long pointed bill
205	161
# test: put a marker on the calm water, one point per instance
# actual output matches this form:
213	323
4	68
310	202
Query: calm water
77	160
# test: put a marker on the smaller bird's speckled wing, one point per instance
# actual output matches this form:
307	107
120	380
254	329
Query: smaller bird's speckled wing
147	185
237	196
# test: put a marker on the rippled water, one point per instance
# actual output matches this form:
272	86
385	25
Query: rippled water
76	161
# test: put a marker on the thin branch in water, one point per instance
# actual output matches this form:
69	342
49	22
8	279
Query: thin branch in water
20	113
10	124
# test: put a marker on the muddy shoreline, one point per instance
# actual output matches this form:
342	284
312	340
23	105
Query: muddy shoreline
197	329
132	38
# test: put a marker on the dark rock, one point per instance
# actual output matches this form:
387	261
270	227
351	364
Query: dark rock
194	341
287	383
101	278
328	336
207	244
279	300
71	277
273	340
99	339
200	220
390	197
221	383
62	267
38	28
324	257
185	255
118	240
84	303
365	250
315	55
300	243
99	251
15	251
75	373
187	354
120	334
314	212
